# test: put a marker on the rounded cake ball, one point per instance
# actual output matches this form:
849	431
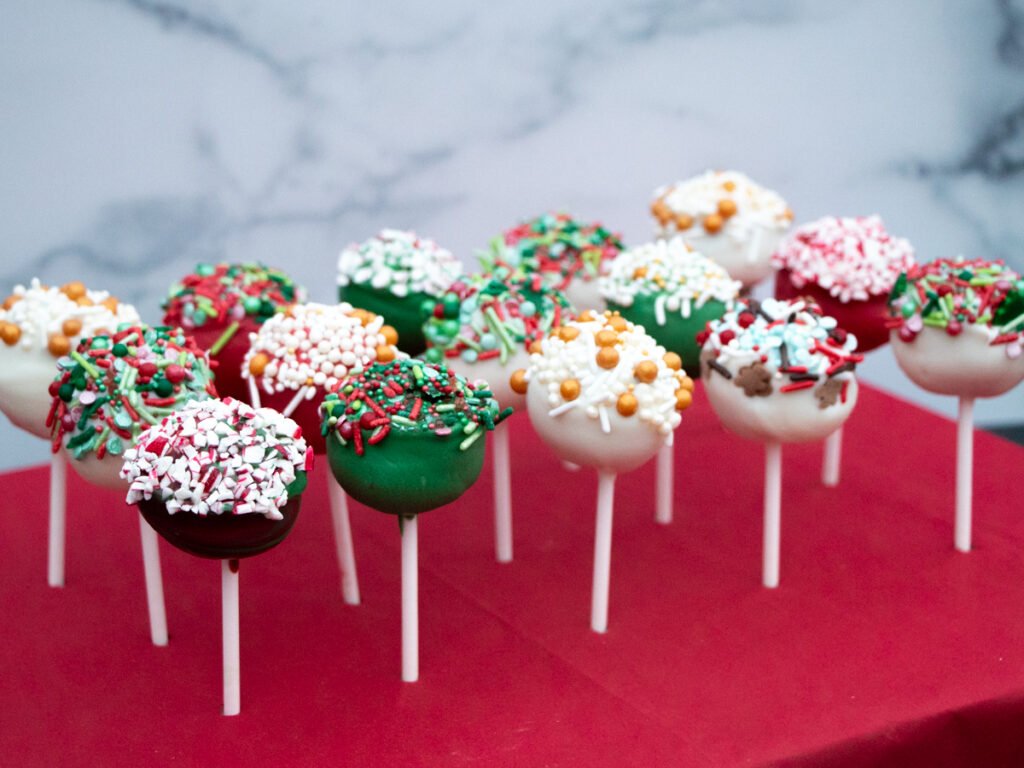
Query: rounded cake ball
728	218
959	326
571	255
394	274
672	291
406	436
848	266
602	393
779	371
219	305
38	325
218	478
112	387
299	355
485	327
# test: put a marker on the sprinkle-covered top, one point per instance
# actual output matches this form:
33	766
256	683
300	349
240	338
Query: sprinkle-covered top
408	396
316	345
681	278
556	246
399	262
215	457
484	317
788	345
226	293
604	362
952	293
113	386
55	319
851	258
726	202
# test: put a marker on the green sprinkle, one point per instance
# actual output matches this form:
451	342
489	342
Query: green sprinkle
85	364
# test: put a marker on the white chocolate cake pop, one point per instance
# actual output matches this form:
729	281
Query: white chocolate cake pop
779	371
728	218
38	325
603	393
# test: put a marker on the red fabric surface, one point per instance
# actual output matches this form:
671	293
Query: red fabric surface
882	646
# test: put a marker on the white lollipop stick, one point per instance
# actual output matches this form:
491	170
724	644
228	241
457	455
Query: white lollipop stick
294	402
154	583
229	635
772	513
343	541
410	603
254	393
964	473
833	453
602	552
663	511
502	497
58	505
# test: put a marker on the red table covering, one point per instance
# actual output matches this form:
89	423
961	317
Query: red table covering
882	646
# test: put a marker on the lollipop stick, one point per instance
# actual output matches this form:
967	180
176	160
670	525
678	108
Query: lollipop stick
602	552
502	497
964	470
154	583
663	512
833	453
229	635
410	603
343	541
55	553
772	513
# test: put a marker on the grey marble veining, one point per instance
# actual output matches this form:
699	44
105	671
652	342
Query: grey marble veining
139	137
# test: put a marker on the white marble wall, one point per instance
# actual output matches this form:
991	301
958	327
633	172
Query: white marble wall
138	137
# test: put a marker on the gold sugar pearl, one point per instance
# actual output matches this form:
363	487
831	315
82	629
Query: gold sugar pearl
84	301
10	333
618	322
683	221
568	332
362	316
518	381
570	389
661	211
71	327
683	399
110	303
627	404
606	338
586	316
673	361
10	301
385	353
607	357
729	186
639	272
58	345
788	215
390	334
712	223
726	208
536	347
258	363
686	383
646	371
73	291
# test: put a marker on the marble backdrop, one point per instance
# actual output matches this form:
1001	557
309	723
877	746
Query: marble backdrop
139	137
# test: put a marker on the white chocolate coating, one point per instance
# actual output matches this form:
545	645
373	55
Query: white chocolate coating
966	365
25	377
585	294
105	472
747	261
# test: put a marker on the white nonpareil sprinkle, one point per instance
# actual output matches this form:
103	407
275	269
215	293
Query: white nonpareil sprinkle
243	470
400	262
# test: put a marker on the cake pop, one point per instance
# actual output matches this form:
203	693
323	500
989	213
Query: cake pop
404	437
602	393
220	305
847	266
672	291
393	274
38	325
958	332
219	479
778	372
294	359
570	254
110	388
728	218
483	328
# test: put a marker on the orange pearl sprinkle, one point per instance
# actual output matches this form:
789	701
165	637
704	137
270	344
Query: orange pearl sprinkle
728	186
385	353
712	223
390	334
673	361
58	345
686	383
518	381
586	316
607	357
110	303
683	399
646	371
618	322
10	301
10	333
639	272
683	221
627	404
362	316
535	347
84	301
661	211
258	363
71	327
568	332
570	389
606	338
726	207
73	290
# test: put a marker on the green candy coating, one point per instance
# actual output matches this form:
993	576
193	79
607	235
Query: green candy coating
403	314
678	334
